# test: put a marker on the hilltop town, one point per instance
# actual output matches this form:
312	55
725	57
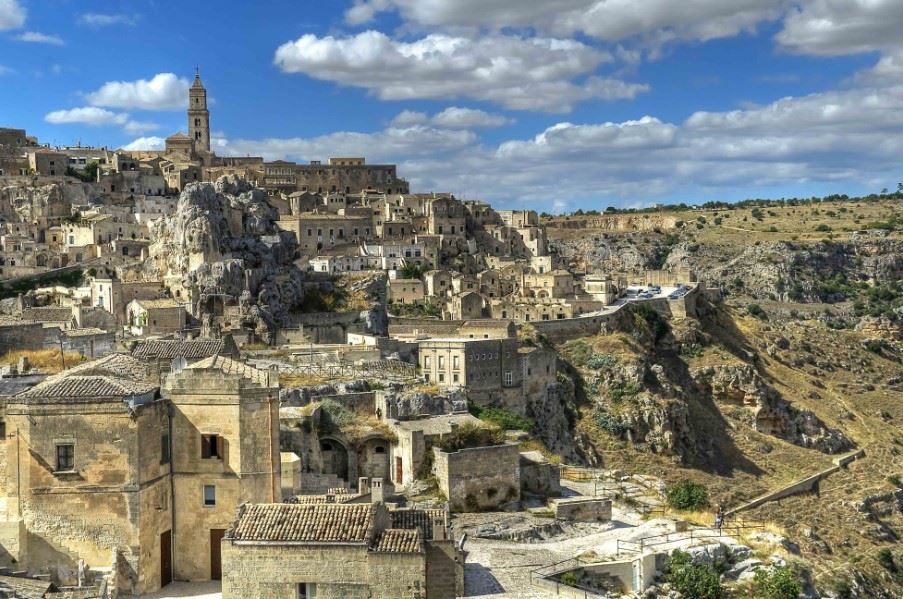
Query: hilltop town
310	380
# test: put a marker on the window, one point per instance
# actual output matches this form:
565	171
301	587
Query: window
509	379
307	590
209	495
65	457
455	364
455	378
441	378
212	447
164	449
441	361
426	361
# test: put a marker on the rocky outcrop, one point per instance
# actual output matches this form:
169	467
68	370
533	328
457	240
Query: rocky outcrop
741	384
32	204
223	244
554	413
406	404
882	327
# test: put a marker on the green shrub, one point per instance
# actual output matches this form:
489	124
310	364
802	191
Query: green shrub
468	436
657	324
609	422
842	590
597	361
777	583
336	414
569	578
618	392
687	495
886	559
694	581
500	417
823	228
757	311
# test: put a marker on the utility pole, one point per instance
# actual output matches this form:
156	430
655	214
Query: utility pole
62	353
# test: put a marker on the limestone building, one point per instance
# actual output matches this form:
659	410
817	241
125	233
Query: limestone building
100	465
340	551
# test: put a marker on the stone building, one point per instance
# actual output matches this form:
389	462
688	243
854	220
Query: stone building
348	175
406	291
102	466
226	429
477	478
340	551
155	316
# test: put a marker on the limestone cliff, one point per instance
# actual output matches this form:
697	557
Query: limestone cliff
223	246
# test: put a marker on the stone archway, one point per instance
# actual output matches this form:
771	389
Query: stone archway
334	456
373	458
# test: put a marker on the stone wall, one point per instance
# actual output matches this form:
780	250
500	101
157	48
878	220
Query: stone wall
25	336
480	477
350	572
583	510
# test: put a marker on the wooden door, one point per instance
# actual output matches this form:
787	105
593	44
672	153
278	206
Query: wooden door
398	470
165	558
216	556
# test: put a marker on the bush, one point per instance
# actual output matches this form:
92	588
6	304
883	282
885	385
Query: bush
694	581
609	422
468	436
597	361
777	583
654	320
823	228
757	311
687	495
569	578
886	559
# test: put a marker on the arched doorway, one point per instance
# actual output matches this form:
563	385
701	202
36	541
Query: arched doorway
335	457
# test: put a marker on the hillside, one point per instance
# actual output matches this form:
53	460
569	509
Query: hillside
769	386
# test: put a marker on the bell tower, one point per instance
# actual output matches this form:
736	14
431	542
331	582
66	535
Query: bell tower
198	115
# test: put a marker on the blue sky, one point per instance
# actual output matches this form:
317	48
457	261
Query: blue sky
552	105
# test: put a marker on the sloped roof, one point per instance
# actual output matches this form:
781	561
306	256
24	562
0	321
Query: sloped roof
421	520
178	135
47	314
174	348
230	366
91	388
304	523
117	365
396	540
166	302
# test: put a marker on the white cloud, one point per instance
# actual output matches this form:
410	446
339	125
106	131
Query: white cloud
453	117
87	115
519	73
139	127
146	144
12	15
36	37
5	70
164	91
104	20
610	20
836	27
98	117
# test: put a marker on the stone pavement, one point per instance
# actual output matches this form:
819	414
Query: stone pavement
197	590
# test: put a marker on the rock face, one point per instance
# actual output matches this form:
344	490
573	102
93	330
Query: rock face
30	204
223	245
402	404
741	384
553	413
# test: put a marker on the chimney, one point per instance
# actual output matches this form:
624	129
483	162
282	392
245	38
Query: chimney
376	490
363	485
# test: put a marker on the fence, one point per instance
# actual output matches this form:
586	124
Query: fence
639	545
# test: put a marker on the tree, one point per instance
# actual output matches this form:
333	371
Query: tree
777	583
693	581
687	495
412	270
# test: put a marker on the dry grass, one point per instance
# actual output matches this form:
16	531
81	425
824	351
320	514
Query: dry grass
45	360
308	380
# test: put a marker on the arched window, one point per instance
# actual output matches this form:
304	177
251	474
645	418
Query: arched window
379	449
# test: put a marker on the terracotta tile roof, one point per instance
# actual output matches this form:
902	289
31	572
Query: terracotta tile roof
78	388
86	332
169	349
421	520
310	523
396	540
47	314
116	365
344	497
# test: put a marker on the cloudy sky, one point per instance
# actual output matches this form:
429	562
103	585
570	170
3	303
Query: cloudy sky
553	105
